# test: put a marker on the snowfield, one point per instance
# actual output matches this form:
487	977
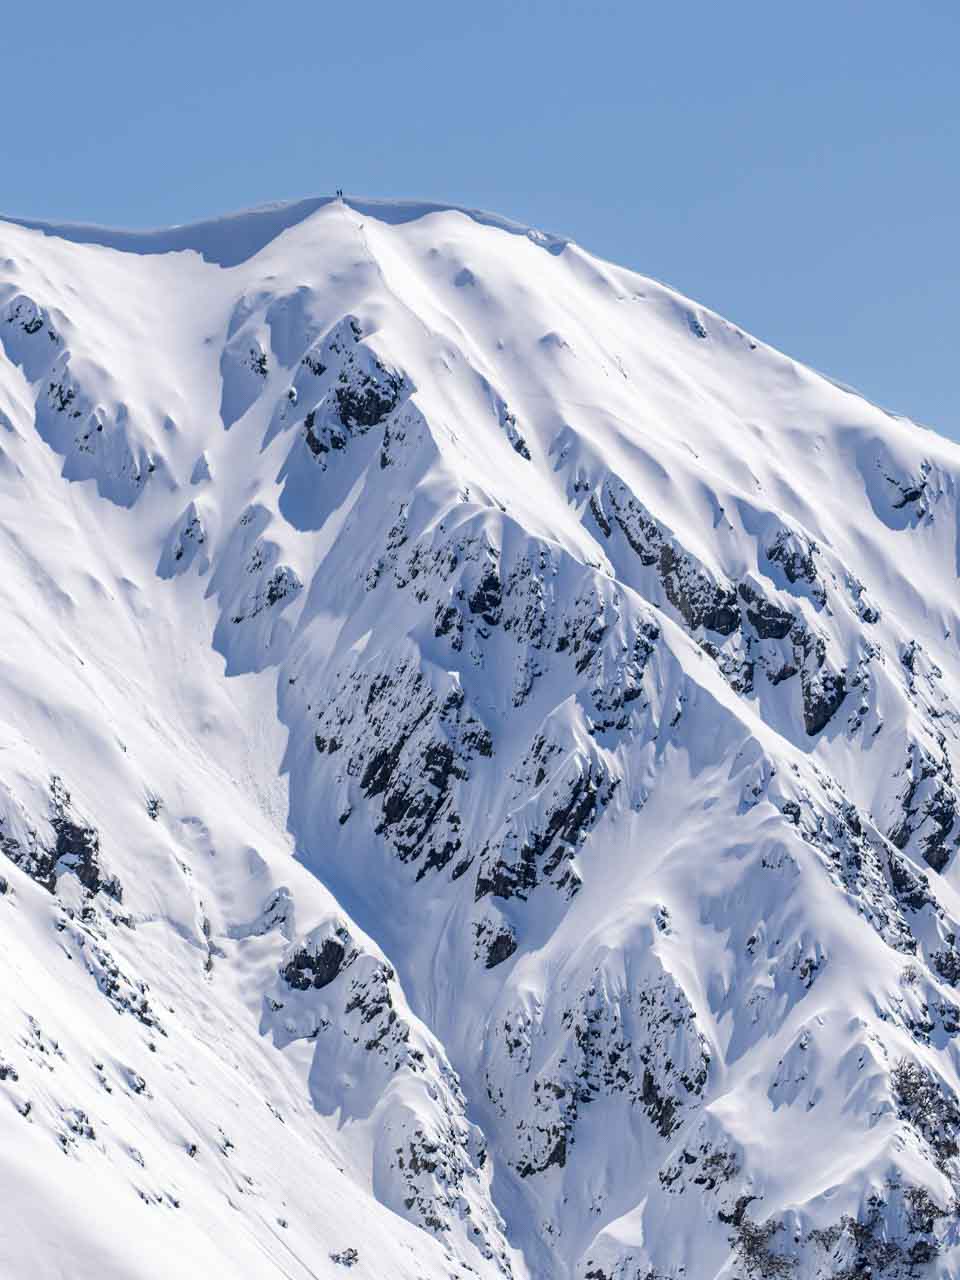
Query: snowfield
477	749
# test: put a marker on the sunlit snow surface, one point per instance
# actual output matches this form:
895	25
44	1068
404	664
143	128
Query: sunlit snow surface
477	736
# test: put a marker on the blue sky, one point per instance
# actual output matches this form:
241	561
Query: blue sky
795	167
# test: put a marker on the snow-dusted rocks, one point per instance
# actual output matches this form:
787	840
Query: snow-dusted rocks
77	412
377	1066
478	771
184	545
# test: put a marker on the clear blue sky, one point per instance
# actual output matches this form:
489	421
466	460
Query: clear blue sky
794	166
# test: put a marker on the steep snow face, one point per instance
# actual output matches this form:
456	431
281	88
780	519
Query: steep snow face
477	781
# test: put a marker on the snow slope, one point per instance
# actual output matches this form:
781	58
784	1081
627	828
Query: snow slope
477	747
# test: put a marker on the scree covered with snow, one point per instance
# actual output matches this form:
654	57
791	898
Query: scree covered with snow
478	749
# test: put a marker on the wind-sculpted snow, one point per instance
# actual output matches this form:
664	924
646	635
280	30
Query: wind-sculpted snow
624	1037
96	436
374	1064
478	798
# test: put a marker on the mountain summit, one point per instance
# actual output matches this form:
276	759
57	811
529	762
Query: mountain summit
478	737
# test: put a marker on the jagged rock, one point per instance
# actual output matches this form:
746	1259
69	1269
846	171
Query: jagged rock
345	1257
407	744
75	849
604	701
305	970
928	805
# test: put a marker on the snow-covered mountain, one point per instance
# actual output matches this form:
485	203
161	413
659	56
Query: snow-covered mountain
477	749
